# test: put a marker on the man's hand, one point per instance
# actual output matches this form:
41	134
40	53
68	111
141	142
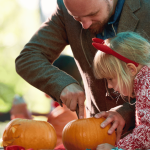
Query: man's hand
115	118
72	95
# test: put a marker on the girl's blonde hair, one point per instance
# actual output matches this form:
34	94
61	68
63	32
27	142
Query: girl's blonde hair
130	45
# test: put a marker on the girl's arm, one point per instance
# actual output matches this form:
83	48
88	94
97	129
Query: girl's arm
140	137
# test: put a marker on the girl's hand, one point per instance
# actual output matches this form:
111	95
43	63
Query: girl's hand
105	146
115	118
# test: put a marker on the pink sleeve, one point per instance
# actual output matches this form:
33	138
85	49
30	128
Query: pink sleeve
140	137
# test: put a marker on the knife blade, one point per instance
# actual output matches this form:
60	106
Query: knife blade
77	111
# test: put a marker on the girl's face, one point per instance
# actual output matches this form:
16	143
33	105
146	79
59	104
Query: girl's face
113	83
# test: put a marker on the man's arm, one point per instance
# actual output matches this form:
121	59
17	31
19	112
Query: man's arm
127	111
34	63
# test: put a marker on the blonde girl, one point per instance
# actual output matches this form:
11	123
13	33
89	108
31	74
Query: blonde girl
124	61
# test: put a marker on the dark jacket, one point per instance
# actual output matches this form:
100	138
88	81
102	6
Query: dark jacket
34	63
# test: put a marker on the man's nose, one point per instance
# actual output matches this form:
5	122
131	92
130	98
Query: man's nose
86	23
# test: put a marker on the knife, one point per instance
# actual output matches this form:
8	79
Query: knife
77	111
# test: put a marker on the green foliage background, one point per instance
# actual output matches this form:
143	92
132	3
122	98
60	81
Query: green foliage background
17	25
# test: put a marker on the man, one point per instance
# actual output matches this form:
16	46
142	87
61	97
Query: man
76	23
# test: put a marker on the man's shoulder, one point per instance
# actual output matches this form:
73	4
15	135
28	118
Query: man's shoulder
135	16
135	5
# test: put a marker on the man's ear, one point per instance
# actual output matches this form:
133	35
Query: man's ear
132	68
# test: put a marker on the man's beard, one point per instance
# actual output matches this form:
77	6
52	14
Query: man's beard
98	27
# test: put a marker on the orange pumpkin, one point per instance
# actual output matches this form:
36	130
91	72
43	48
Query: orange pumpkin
29	134
86	133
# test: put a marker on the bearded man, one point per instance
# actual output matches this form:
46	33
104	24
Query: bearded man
75	23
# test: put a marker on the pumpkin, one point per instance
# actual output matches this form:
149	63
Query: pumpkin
86	133
59	117
29	134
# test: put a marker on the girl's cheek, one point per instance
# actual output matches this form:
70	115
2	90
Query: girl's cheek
110	85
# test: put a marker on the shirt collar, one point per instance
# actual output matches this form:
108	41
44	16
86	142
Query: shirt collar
118	10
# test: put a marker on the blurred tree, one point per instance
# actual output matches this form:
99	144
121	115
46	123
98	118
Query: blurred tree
17	25
19	20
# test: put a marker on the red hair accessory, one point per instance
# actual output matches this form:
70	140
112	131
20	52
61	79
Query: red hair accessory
99	44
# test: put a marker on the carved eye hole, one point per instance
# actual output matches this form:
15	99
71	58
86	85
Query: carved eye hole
14	128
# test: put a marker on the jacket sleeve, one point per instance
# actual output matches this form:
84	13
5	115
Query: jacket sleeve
34	64
127	111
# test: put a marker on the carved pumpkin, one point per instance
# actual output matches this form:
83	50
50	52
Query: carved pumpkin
29	134
86	133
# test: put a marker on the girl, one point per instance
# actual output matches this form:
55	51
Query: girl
124	62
